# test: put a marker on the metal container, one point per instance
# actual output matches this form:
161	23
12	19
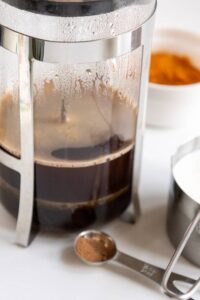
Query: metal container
73	89
183	219
184	200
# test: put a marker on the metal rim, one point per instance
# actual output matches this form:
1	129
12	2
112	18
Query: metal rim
182	151
71	9
58	27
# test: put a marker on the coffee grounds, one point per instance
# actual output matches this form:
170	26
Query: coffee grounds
94	249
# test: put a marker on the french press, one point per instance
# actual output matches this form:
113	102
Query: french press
72	109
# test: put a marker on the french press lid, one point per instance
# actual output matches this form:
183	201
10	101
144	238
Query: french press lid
75	20
72	8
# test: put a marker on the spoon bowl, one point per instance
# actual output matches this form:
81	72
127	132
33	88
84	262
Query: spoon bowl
95	248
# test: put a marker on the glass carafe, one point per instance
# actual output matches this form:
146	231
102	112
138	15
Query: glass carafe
81	69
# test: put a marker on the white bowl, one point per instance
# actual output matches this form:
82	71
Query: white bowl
173	106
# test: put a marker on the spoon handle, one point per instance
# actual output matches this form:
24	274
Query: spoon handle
151	272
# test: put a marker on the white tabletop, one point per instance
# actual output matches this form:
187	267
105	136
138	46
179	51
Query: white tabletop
49	270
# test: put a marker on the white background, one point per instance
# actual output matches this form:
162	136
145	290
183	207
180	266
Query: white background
49	270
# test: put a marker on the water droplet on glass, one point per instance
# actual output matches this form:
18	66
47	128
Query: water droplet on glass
89	72
114	64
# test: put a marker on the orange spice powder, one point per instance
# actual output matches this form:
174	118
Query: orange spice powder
171	69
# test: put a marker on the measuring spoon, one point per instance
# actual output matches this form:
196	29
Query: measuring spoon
97	248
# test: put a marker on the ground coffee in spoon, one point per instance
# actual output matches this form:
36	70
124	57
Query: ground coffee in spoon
94	249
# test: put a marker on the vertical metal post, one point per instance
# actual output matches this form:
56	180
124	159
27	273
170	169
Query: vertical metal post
26	204
147	32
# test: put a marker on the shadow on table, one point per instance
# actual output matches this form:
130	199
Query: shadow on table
147	235
131	276
68	257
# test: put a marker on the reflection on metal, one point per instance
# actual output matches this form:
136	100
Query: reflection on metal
25	165
72	53
26	203
147	31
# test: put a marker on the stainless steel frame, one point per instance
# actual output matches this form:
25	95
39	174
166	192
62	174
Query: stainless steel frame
24	165
63	52
29	48
147	31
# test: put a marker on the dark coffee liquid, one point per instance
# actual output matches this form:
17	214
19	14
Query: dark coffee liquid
76	197
83	165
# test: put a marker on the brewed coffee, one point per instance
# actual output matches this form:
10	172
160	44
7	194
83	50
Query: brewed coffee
83	162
